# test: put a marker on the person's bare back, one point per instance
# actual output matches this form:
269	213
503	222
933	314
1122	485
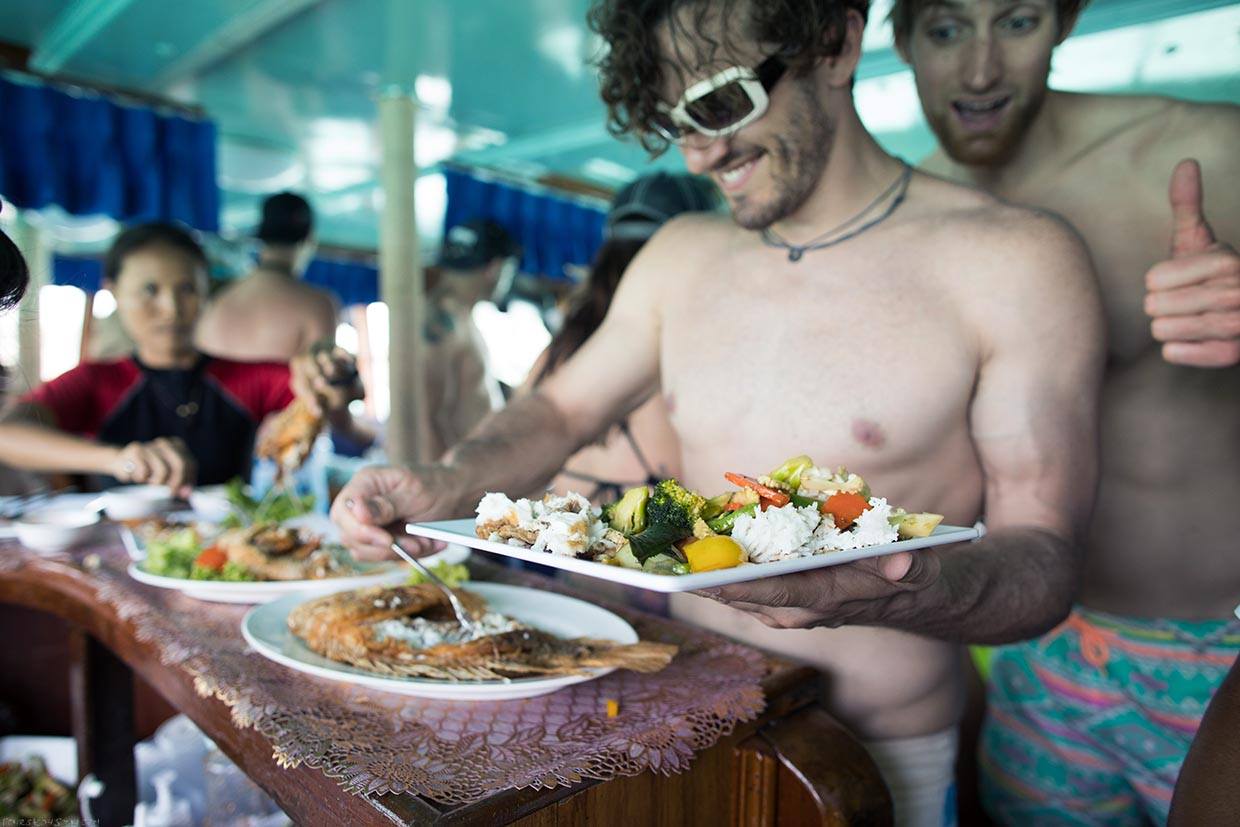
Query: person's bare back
266	317
1165	524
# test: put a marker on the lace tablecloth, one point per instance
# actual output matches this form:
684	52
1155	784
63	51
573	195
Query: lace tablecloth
451	752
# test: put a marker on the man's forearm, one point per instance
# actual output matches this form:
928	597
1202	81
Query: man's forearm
516	450
39	448
1014	584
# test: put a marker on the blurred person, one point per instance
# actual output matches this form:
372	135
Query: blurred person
1119	688
944	345
168	414
14	274
478	260
271	315
14	277
642	448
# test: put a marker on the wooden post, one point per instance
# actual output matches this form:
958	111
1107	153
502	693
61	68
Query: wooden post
401	282
38	257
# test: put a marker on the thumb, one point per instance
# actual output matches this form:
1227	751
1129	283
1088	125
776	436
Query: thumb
911	570
1191	233
895	566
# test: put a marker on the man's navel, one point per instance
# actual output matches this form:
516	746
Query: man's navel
869	433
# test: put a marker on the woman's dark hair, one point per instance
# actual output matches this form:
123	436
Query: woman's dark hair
588	309
144	236
14	274
631	69
904	14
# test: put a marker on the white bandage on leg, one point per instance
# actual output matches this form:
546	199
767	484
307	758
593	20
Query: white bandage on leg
920	772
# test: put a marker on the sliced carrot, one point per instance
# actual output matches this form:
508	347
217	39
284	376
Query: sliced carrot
776	497
845	507
212	558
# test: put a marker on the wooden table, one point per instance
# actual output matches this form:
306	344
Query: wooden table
794	765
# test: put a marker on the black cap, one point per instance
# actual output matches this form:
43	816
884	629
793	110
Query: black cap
646	204
287	219
475	244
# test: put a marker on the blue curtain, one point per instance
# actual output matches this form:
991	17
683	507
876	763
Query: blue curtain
553	231
93	156
351	282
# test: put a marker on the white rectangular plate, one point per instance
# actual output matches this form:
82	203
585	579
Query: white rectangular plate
462	532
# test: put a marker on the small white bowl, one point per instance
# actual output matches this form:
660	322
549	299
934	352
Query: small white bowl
49	530
136	502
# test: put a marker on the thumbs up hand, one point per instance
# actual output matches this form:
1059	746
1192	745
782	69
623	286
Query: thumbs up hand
1194	296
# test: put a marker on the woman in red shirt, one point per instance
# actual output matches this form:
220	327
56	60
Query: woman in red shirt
168	414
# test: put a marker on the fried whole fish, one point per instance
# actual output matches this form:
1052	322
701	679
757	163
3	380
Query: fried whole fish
355	627
272	552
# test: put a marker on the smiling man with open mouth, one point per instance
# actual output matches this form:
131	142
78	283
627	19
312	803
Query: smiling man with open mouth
1118	712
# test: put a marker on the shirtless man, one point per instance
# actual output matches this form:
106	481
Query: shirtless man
477	256
1161	560
944	353
272	316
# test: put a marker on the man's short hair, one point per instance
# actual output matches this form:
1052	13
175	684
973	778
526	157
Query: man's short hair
904	14
287	219
631	68
146	236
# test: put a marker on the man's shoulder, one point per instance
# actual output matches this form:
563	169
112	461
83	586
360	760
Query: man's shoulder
1154	128
961	214
1207	131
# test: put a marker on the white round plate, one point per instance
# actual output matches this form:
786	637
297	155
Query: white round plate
220	591
266	629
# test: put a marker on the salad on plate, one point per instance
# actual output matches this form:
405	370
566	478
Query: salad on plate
797	510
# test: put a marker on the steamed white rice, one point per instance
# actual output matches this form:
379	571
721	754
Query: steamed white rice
777	533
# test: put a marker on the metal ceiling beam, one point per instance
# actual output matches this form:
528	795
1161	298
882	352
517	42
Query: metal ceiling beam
72	29
237	32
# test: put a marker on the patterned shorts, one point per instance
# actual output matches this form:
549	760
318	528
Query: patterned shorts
1089	725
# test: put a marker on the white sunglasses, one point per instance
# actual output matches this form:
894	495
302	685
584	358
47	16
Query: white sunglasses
722	104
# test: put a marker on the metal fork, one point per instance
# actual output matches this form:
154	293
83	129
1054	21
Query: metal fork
462	617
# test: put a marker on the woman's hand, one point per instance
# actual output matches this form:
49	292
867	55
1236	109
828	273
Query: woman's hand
164	461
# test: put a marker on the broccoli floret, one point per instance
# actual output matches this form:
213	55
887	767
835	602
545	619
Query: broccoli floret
670	515
628	514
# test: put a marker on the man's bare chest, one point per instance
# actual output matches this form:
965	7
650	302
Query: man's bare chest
834	362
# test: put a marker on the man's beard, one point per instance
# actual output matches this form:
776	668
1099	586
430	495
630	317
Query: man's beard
996	149
796	163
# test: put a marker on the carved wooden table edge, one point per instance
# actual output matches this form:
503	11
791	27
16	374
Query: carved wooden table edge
310	796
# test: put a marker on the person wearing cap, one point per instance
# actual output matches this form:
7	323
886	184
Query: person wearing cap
642	448
477	257
271	315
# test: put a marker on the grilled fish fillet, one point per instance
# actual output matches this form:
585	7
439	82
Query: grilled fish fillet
341	627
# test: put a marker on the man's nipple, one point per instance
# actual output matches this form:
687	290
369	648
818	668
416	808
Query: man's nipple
869	433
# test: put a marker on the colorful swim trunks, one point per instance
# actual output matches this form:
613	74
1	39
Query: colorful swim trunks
1089	725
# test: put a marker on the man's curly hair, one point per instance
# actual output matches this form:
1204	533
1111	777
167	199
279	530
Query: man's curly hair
631	68
904	14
